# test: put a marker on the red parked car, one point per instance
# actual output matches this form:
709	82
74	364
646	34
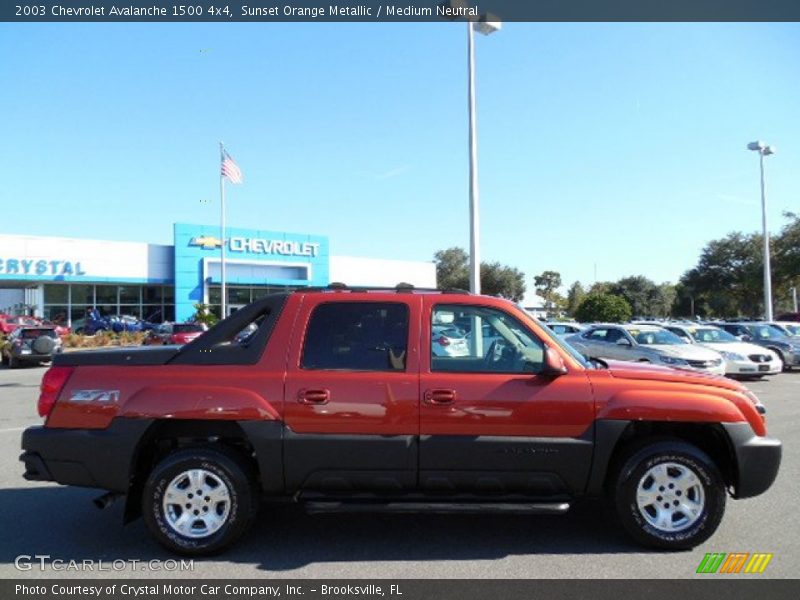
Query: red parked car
174	333
10	324
334	398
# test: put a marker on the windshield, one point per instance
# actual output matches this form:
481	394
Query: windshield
792	328
712	336
660	337
767	332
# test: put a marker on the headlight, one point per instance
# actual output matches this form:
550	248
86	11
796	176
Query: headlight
732	356
671	360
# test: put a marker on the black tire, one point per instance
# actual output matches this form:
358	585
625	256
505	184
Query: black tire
226	465
13	363
634	468
786	367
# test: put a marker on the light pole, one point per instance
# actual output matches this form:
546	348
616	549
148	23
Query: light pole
764	150
485	24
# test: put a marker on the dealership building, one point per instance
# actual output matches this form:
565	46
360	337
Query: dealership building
60	278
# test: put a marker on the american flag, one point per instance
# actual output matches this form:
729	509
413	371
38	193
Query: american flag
230	169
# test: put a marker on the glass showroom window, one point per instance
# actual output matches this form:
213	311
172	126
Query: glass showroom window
82	294
130	294
106	295
56	303
57	313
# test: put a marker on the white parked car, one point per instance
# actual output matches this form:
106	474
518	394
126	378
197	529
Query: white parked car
645	343
447	340
742	359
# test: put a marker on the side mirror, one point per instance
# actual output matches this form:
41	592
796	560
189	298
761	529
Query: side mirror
553	364
623	342
746	338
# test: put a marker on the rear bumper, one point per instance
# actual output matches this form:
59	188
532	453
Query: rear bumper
96	458
757	459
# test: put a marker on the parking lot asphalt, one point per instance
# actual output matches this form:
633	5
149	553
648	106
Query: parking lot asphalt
47	519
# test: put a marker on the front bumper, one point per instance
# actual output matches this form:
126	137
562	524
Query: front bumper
757	460
96	458
748	367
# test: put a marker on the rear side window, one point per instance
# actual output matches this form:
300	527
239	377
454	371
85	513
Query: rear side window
357	336
32	334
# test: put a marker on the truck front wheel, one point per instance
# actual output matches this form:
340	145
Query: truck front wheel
198	501
669	495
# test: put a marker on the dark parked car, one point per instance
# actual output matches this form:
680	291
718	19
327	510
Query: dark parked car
30	345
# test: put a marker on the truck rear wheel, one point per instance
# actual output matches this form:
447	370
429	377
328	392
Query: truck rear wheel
670	495
198	501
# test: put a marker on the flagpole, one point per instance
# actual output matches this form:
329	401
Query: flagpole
222	230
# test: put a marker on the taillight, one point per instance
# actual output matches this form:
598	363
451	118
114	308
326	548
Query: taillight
443	341
53	382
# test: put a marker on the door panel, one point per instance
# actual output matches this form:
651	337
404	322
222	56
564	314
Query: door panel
504	432
347	428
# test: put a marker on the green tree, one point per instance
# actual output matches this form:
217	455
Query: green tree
637	291
452	272
546	286
601	287
503	281
786	265
727	279
662	299
575	296
452	269
203	314
605	308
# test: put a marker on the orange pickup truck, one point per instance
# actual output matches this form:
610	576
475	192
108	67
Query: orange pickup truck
338	399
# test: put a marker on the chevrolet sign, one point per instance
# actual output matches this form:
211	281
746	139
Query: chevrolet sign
258	245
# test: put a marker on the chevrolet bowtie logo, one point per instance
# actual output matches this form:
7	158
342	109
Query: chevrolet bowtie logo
206	241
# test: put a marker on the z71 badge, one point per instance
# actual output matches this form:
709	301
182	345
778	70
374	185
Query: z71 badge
94	396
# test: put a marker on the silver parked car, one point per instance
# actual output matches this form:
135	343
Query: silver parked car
742	359
645	343
768	336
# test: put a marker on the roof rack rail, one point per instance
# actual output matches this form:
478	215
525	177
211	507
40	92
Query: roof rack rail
403	287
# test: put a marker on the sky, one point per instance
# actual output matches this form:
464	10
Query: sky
605	150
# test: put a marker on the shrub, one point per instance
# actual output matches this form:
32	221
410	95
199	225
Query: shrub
605	308
204	315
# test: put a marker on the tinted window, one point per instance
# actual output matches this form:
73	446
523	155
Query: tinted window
187	328
357	336
32	334
502	344
614	335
